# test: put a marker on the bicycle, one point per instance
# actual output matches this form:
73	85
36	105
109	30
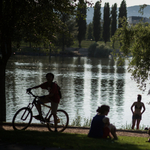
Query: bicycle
23	117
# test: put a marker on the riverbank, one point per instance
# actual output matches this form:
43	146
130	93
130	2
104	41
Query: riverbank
69	52
79	130
37	137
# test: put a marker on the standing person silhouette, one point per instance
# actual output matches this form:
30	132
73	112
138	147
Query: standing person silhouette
137	113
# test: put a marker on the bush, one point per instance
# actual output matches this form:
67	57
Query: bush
99	51
91	49
102	52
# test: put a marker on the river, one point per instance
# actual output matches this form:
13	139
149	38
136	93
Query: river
86	83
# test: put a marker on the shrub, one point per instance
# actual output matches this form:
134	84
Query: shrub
102	51
91	49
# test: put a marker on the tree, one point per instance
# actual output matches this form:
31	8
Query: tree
135	42
90	31
113	19
96	21
106	24
122	12
40	18
81	21
68	34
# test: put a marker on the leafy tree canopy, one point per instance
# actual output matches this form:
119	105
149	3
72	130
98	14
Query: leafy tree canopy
19	18
134	41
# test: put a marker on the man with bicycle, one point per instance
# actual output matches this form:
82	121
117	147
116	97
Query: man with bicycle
52	97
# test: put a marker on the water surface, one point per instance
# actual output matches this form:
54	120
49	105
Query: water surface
86	83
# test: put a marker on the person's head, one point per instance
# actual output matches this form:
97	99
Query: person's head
139	97
106	120
49	77
104	109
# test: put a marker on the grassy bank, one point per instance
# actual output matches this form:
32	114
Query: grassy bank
24	47
73	141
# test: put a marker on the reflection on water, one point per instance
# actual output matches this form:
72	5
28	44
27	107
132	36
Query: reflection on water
85	84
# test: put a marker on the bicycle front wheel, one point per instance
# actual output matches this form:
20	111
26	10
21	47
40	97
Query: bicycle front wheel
22	118
62	121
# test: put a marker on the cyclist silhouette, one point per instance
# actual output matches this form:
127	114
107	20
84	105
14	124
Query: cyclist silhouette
53	97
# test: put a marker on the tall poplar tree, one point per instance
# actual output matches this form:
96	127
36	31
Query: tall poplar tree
122	12
81	21
96	21
113	19
106	24
90	31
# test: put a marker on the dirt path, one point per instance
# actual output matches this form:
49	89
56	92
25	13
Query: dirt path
80	130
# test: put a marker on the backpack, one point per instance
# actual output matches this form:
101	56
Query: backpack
59	92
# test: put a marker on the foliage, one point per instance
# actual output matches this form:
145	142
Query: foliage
19	19
74	141
89	33
134	41
77	121
106	24
81	21
113	19
122	12
87	122
91	49
66	37
96	21
129	127
100	51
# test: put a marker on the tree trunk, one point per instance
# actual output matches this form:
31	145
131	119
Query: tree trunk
79	43
2	93
5	55
63	42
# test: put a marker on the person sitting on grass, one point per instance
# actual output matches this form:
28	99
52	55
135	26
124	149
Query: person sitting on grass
100	126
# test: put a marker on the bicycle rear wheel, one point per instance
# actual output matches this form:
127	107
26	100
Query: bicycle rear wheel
62	121
22	118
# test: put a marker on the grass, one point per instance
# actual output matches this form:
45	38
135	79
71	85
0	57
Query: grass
87	123
73	141
87	43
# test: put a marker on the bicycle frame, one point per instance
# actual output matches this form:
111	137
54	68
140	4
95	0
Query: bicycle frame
31	105
49	112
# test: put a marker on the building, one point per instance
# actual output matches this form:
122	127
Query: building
132	20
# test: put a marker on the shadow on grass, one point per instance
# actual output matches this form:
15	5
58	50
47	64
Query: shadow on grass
72	141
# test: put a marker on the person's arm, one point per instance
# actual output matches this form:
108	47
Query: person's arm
143	109
132	107
35	87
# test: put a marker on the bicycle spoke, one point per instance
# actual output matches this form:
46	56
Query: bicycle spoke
62	121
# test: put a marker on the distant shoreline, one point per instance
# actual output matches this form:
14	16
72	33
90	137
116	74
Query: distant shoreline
70	52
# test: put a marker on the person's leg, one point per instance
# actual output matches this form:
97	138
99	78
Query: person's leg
42	100
106	132
138	123
133	123
113	131
54	112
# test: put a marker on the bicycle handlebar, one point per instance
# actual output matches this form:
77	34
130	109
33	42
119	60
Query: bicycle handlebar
29	92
